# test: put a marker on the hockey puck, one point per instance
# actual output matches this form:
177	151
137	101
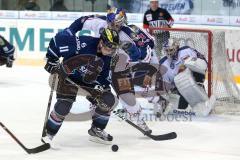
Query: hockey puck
114	148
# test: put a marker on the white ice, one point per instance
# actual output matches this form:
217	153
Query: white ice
23	100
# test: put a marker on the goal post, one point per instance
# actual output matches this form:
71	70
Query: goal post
220	78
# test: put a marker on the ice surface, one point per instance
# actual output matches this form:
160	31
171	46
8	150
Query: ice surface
23	100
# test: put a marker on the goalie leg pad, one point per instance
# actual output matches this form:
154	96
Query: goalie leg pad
189	89
196	65
204	108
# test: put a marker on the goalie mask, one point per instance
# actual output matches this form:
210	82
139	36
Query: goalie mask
170	49
116	18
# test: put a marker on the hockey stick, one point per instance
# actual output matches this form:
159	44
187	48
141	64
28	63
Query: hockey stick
38	149
49	104
160	137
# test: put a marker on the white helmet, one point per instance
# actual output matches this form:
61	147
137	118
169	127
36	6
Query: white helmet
171	47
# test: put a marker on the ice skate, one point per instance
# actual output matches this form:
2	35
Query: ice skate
47	139
99	136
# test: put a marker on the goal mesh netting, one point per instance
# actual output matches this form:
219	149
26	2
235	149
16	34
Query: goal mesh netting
219	78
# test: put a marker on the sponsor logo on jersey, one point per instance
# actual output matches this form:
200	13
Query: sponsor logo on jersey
161	14
83	45
78	43
159	23
149	17
83	69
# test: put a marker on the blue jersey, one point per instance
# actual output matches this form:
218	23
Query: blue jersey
66	46
6	49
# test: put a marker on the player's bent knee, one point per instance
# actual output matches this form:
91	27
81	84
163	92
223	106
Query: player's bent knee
106	103
62	107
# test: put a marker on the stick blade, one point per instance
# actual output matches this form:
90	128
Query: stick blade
40	148
162	137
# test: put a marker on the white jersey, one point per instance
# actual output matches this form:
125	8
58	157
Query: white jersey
95	25
141	41
129	33
173	65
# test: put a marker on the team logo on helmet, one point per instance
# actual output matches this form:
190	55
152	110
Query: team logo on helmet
109	35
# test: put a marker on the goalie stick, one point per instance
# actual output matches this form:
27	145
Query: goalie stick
160	137
38	149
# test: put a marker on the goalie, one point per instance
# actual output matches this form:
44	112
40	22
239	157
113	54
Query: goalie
185	72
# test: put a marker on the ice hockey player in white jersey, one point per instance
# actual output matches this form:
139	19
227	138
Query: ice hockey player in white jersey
185	70
141	44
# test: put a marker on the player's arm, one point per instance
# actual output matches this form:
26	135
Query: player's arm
169	19
8	48
145	22
146	44
7	55
77	25
132	50
52	57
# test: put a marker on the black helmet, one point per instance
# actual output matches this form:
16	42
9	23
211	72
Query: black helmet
110	38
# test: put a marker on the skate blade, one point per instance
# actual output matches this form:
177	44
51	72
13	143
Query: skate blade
98	140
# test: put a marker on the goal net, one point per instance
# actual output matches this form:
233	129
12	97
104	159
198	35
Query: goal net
219	79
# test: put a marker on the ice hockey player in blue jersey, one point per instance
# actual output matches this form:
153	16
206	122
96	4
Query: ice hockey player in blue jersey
88	59
185	70
6	52
136	45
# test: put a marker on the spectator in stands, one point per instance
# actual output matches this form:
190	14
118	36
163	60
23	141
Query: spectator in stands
58	5
157	17
30	5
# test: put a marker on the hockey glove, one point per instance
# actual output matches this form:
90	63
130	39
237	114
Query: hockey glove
52	66
93	69
8	60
